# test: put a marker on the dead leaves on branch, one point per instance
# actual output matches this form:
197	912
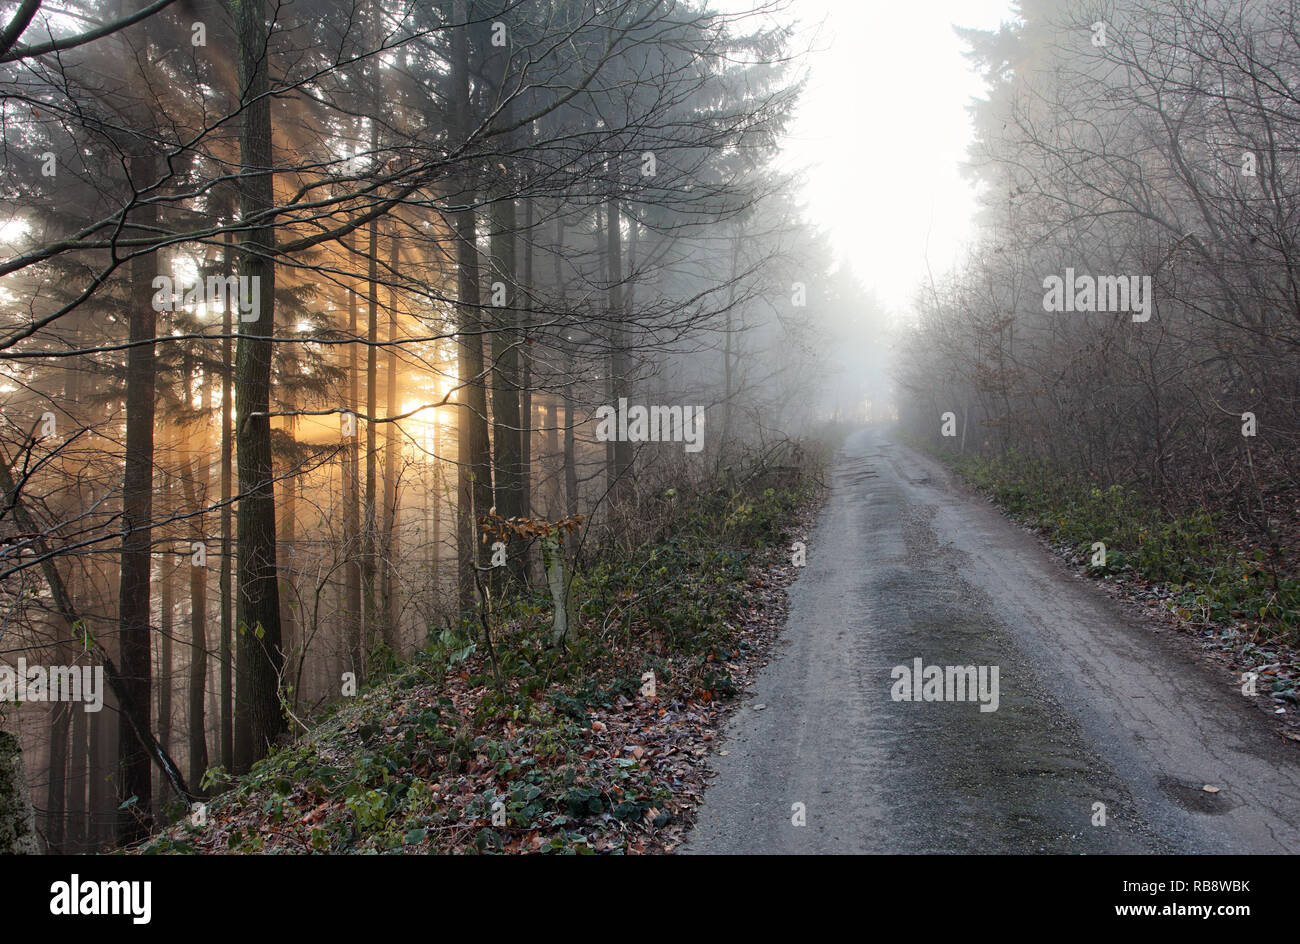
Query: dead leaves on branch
493	526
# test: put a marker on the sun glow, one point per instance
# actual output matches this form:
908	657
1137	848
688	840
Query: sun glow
420	424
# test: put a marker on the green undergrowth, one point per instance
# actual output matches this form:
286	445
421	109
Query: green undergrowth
1211	580
420	759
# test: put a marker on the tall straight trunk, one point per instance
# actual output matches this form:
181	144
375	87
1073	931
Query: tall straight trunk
437	496
227	738
170	540
137	513
74	838
214	709
258	719
619	363
508	485
196	497
352	506
166	653
526	374
474	471
104	773
166	627
570	465
427	504
629	266
570	452
56	784
602	248
728	383
333	674
288	623
392	441
508	490
552	466
372	411
377	560
78	758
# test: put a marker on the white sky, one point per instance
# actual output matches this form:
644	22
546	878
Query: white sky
882	130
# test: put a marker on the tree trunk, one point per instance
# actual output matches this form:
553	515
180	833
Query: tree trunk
106	786
137	513
552	462
570	451
166	628
372	411
196	496
392	442
570	447
103	775
474	471
526	375
227	738
352	506
198	735
437	497
619	364
56	786
196	713
508	489
289	626
78	757
258	718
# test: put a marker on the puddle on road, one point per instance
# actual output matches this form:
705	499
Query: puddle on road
1195	799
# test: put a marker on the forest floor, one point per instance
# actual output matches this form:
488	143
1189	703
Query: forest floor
572	754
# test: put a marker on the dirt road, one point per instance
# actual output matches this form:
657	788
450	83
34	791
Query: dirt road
1093	707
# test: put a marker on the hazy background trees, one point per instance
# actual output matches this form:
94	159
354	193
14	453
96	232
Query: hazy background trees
1169	150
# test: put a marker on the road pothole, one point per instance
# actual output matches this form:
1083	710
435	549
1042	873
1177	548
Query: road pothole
1195	799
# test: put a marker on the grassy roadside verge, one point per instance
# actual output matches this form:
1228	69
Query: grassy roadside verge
570	754
1238	600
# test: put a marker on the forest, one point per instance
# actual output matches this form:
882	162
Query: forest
649	427
310	312
1148	151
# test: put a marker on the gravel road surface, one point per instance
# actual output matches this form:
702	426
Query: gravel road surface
1093	706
